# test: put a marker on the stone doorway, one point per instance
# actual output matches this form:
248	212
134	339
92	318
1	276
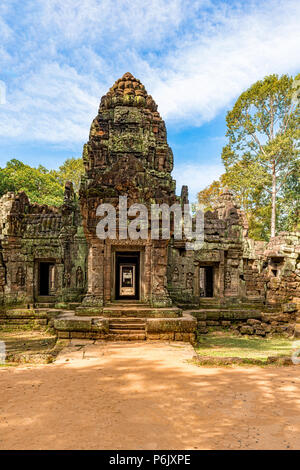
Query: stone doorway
127	276
206	281
46	279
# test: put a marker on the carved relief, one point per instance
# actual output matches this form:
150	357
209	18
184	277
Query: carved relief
227	280
20	277
189	280
67	280
79	277
175	277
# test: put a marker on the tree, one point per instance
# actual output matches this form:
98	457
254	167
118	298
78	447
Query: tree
71	170
208	197
247	183
39	184
263	135
289	203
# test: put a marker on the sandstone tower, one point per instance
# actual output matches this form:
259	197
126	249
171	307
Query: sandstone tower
127	155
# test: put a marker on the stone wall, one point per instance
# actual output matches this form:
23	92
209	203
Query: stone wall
283	268
33	233
222	252
243	269
249	321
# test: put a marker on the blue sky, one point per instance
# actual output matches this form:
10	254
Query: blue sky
58	57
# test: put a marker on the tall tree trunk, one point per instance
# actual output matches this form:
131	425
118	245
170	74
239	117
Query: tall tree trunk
273	216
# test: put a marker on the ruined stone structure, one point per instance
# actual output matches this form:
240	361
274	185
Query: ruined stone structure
127	155
137	289
41	248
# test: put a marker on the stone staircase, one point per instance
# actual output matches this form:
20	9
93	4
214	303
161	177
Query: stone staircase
126	329
20	318
139	310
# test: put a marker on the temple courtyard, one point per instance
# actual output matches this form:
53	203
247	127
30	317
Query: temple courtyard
146	395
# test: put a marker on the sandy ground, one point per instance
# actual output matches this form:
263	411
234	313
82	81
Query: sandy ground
147	396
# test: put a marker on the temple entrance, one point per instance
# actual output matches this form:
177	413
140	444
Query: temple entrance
206	281
127	276
46	278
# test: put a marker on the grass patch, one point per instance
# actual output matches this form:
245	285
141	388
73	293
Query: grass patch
227	345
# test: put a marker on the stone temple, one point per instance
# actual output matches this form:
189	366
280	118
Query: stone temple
54	269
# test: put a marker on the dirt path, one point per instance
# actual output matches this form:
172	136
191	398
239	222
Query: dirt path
147	396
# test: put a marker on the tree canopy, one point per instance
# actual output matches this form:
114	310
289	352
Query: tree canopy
71	170
261	157
41	185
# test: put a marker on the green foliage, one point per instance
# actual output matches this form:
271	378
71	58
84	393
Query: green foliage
71	170
263	135
40	185
262	155
289	203
208	197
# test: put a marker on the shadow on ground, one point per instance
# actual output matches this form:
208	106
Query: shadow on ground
147	396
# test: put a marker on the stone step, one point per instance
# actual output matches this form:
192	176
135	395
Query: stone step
127	326
127	337
128	320
124	331
142	312
127	304
44	305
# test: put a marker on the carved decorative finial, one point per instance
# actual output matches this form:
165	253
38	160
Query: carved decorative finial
128	91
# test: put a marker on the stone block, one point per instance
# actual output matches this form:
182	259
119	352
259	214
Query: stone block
253	321
247	330
226	324
289	307
63	324
63	334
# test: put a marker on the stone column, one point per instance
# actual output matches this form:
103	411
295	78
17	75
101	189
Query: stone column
95	290
160	296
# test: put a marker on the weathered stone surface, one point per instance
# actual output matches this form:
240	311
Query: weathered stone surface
185	324
69	324
289	308
247	330
31	234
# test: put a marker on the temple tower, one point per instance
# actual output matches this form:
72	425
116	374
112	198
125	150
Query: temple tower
127	155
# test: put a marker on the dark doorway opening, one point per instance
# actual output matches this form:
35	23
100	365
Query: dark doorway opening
44	278
206	281
127	275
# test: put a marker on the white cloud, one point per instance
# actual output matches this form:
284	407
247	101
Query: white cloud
194	57
55	105
197	177
205	76
137	22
